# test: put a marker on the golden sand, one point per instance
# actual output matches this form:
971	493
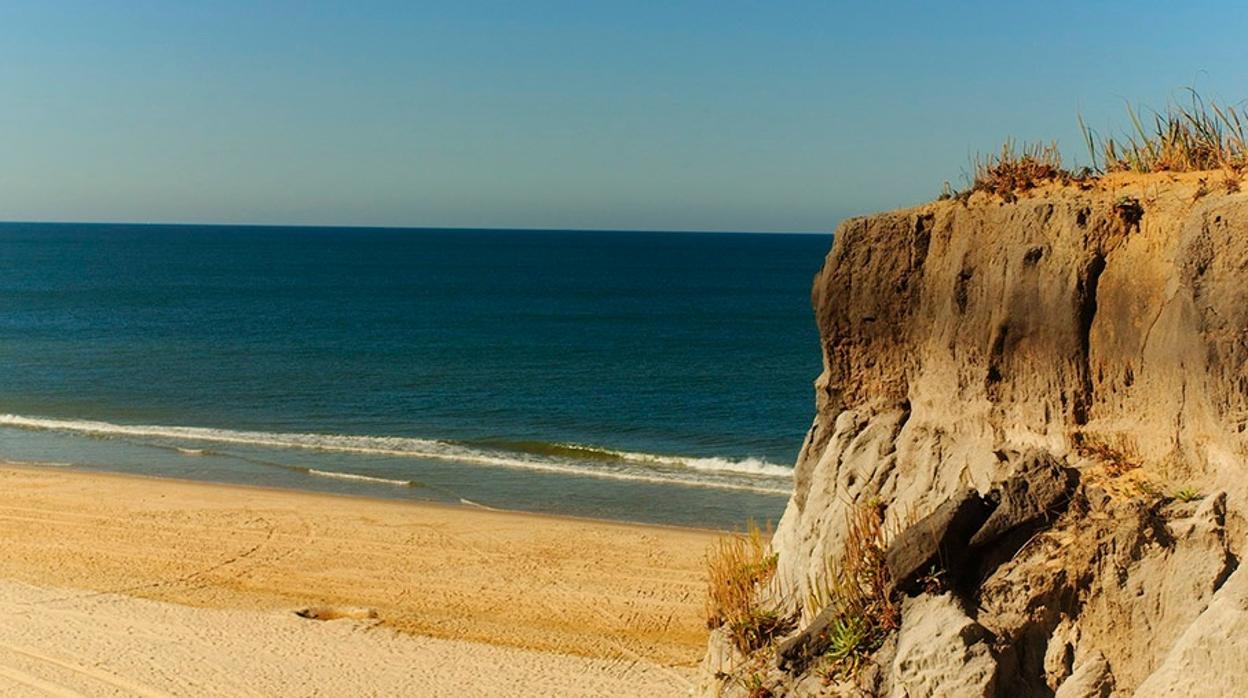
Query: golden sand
589	601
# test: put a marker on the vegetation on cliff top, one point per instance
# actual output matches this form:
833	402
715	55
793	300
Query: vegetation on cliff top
1016	169
1194	137
1185	138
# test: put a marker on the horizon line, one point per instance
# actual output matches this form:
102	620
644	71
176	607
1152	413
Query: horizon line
531	229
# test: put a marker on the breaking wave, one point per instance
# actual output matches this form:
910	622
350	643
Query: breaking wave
748	474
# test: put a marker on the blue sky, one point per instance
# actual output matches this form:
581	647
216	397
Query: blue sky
772	116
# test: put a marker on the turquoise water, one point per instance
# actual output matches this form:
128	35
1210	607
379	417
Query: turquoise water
656	377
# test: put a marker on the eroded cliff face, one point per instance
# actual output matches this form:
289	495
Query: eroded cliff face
1102	326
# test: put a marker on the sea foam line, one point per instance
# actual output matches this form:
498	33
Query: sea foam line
744	466
359	478
437	450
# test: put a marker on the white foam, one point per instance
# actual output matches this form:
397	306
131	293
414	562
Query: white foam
744	466
470	503
706	472
359	478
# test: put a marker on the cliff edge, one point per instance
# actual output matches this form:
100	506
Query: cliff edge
1044	399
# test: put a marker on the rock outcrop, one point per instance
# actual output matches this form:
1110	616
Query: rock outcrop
1049	398
940	652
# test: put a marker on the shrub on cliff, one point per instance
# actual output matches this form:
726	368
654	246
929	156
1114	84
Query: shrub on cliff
1017	169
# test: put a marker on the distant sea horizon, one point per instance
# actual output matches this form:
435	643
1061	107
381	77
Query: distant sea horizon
642	376
418	228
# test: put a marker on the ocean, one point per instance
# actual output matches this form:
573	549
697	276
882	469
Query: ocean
633	376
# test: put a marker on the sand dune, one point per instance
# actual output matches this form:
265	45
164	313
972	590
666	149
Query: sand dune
115	585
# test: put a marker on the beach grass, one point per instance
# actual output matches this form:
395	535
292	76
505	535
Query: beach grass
857	589
1195	136
738	567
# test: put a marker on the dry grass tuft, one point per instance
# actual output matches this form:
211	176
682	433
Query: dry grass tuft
738	568
1185	138
1016	170
860	592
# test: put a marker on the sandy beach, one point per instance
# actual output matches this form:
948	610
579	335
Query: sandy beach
121	585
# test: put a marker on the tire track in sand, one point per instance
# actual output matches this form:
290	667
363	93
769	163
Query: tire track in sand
23	679
626	659
94	673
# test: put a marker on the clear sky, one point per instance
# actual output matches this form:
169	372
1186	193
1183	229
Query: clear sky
713	115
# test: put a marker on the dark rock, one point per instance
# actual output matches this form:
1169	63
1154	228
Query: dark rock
1039	487
936	542
961	535
796	652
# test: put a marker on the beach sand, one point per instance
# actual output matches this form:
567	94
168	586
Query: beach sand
122	585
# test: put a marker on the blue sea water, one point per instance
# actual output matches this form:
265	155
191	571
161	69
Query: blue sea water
659	377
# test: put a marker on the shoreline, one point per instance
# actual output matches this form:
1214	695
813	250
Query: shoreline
717	492
620	594
462	505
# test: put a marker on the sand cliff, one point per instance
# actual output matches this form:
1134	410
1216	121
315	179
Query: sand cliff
1097	328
